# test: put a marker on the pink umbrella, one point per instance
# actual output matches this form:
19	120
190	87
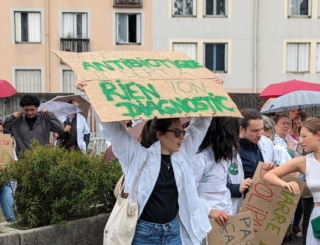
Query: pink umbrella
6	89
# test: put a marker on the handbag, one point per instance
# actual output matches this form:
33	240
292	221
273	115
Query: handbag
122	221
316	227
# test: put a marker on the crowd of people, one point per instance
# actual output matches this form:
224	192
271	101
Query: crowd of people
193	173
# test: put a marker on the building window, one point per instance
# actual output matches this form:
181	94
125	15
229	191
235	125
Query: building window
298	8
189	49
216	57
184	7
318	57
298	57
75	25
68	78
27	27
28	81
128	28
216	7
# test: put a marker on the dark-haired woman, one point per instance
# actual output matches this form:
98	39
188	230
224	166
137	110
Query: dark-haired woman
211	165
169	210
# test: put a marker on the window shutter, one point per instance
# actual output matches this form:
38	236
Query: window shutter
138	31
292	57
189	49
303	56
67	31
17	23
318	57
34	32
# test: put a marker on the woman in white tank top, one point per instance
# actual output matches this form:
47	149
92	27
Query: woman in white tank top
308	165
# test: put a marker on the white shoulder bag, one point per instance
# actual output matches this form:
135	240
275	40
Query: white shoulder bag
122	221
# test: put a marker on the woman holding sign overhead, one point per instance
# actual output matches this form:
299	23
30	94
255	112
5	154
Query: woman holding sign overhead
169	210
309	166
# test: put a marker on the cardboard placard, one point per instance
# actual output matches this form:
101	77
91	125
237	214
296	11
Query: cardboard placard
272	208
134	65
6	149
141	85
238	231
163	99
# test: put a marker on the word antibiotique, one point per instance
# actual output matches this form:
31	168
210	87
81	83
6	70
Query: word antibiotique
139	99
121	64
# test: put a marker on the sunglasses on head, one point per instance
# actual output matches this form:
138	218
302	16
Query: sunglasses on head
177	132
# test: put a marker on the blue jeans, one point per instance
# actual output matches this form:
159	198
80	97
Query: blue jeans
157	234
6	201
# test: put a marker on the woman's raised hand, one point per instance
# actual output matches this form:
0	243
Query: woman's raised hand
291	186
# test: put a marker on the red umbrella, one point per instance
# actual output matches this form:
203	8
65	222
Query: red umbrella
277	89
6	89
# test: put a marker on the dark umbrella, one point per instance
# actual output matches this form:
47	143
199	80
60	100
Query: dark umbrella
278	89
6	89
135	132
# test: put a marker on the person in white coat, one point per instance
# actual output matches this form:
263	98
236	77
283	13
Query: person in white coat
269	131
76	133
169	210
210	166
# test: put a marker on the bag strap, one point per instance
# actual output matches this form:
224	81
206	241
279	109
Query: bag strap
136	179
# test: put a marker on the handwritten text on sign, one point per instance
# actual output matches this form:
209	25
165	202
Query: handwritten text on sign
6	149
272	208
125	99
134	65
238	230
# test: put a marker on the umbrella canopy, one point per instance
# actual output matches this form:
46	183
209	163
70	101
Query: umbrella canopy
83	103
295	100
278	89
135	132
6	89
59	108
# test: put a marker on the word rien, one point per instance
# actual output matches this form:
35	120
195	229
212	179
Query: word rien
229	229
121	64
163	106
278	216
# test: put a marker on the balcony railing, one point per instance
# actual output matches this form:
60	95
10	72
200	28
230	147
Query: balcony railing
77	45
128	3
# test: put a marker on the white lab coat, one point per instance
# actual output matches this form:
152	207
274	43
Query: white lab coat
267	150
194	223
236	176
211	181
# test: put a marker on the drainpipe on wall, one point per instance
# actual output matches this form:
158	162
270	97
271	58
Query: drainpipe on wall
255	45
47	47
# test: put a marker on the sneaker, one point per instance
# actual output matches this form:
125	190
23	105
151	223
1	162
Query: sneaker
296	229
299	234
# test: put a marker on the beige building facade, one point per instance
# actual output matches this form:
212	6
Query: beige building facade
30	29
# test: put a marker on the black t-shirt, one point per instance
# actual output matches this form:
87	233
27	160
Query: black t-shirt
162	206
31	121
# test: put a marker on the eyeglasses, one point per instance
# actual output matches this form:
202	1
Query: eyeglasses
177	132
301	137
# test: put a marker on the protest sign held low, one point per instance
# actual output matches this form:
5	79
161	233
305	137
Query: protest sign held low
238	231
272	208
6	149
125	100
